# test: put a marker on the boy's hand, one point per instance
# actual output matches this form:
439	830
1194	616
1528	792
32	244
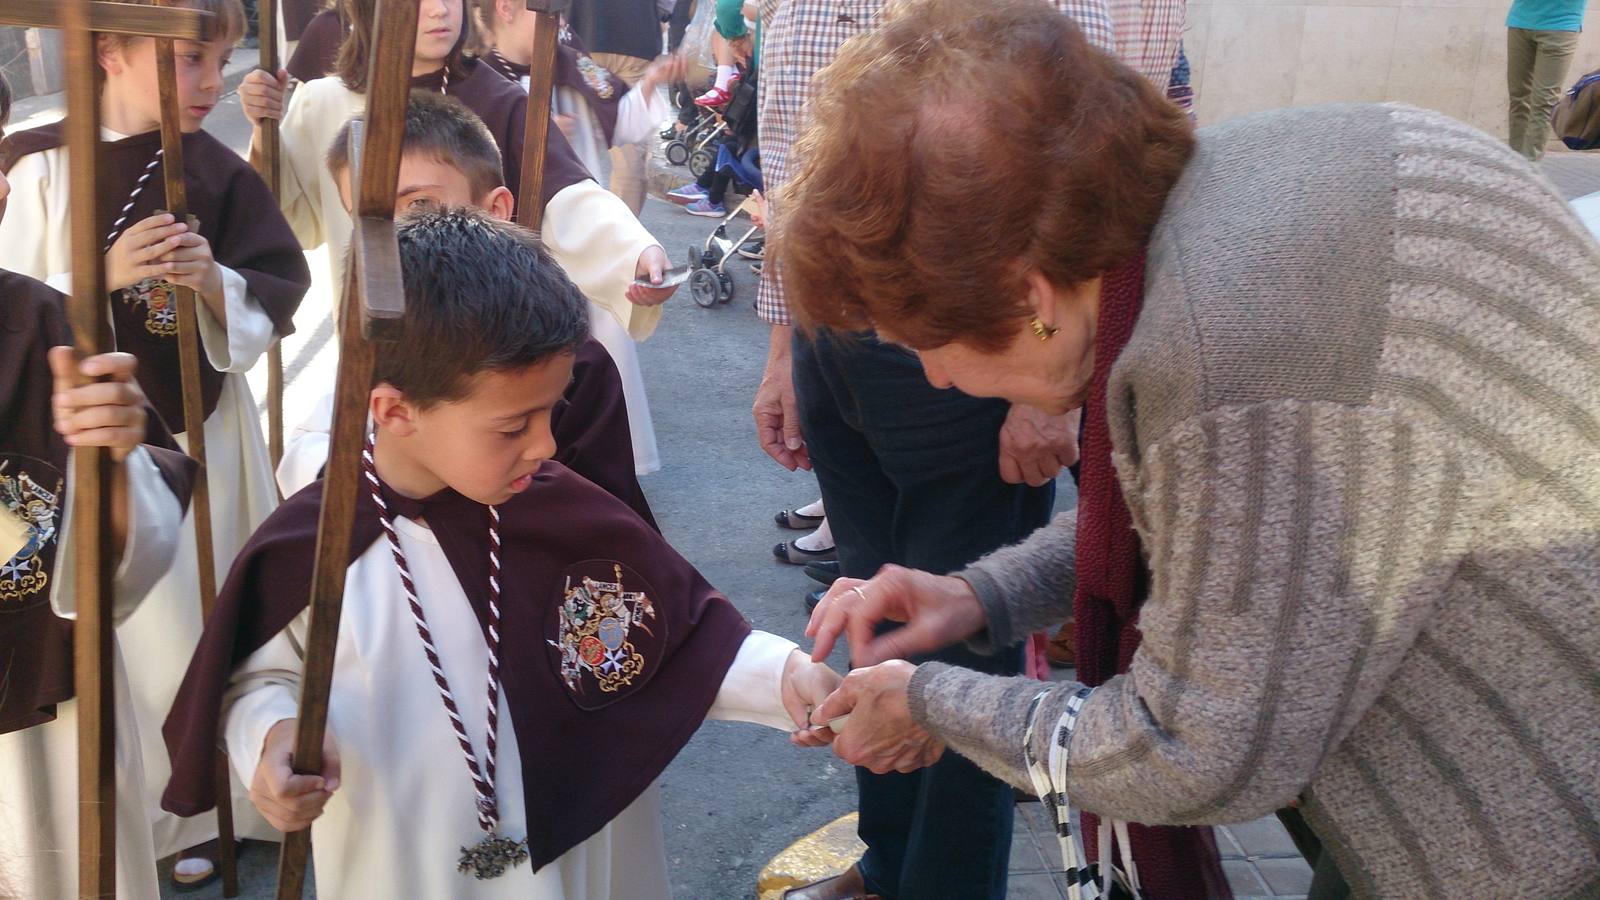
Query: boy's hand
101	413
261	95
805	685
290	802
138	252
651	267
665	70
191	265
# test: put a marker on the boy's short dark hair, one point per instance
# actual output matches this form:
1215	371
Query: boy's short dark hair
448	132
481	296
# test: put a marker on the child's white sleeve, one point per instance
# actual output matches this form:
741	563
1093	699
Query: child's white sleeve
27	234
237	346
263	691
752	691
300	167
305	451
597	241
639	114
155	520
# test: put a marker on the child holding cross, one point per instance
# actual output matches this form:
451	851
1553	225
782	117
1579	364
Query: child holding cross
46	417
614	648
249	276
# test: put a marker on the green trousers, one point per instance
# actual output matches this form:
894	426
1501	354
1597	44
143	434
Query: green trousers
1536	72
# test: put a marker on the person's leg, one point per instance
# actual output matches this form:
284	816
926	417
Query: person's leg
1520	49
628	161
936	502
1552	58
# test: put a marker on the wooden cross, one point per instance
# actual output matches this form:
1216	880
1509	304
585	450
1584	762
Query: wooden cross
92	469
370	310
541	81
267	165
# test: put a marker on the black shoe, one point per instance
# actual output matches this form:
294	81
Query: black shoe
796	555
756	249
825	572
813	598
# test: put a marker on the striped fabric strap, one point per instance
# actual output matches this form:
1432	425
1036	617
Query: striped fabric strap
138	188
1049	782
482	779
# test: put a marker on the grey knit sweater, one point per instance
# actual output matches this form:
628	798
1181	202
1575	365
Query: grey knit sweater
1358	427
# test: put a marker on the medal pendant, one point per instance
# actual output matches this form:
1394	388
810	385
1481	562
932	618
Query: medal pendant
492	856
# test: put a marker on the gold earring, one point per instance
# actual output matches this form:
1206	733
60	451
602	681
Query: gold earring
1042	331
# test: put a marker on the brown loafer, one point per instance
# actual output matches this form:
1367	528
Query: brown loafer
845	886
1062	649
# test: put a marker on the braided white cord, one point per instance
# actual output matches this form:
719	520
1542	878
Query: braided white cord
138	188
1050	784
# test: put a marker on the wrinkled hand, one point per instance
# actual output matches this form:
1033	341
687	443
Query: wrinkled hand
938	610
880	735
99	413
805	685
1035	446
777	415
666	70
191	265
139	251
261	95
290	802
652	266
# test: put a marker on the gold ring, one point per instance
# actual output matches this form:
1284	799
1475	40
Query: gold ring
859	592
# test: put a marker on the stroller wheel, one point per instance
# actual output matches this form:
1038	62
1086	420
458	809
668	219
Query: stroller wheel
724	287
700	161
704	287
677	152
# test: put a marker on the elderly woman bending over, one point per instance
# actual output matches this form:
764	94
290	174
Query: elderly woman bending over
1343	366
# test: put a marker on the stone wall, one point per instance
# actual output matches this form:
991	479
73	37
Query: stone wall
1448	55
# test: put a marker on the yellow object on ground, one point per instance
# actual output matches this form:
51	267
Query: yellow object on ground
823	853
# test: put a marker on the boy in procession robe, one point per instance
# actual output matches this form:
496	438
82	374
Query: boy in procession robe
249	276
615	649
448	160
596	239
45	417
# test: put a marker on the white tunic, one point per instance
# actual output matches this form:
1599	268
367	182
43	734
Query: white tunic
39	765
405	804
162	635
587	230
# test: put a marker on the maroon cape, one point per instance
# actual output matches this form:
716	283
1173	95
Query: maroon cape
585	753
503	107
1174	863
590	426
601	88
35	644
237	214
319	46
297	16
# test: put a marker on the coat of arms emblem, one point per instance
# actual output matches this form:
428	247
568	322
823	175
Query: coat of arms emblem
160	301
35	507
595	76
596	630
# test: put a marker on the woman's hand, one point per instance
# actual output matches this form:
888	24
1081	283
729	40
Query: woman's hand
938	610
261	95
98	413
652	267
1035	446
880	735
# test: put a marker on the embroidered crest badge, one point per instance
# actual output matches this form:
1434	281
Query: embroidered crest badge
36	509
160	302
596	76
605	633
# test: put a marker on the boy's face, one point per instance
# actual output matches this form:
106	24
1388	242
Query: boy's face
486	446
198	66
428	183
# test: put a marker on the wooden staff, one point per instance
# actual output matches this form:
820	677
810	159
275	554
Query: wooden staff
190	361
92	469
267	165
541	81
370	310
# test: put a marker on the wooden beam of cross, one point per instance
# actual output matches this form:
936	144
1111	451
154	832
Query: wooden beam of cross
267	164
190	362
541	81
370	311
92	468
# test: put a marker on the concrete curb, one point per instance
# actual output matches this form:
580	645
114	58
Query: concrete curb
46	107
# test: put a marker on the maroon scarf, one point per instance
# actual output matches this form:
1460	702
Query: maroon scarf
1175	863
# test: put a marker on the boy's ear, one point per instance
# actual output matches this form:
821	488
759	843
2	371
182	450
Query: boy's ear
500	203
108	53
390	410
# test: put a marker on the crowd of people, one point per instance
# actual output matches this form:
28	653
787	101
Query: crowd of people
1326	380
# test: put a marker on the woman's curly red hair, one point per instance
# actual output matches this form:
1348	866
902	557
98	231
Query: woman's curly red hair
956	148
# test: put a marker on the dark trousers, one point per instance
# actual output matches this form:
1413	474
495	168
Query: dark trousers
910	475
1327	882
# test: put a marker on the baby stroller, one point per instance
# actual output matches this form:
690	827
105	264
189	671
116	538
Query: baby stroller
693	145
710	282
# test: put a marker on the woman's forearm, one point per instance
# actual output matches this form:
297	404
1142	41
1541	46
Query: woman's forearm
1027	587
